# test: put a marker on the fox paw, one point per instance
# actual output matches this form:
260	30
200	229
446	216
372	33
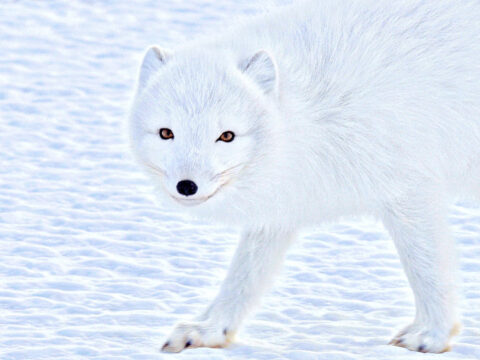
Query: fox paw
188	335
424	339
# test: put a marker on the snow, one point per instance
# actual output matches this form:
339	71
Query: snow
92	268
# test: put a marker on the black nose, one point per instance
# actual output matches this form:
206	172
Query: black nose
187	187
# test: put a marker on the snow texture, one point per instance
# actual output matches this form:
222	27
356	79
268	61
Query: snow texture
92	268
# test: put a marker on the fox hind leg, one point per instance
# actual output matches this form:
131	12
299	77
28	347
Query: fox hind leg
418	225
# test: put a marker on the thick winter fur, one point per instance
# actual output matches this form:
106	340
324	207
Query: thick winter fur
339	107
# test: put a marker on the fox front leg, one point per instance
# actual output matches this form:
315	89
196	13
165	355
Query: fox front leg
258	257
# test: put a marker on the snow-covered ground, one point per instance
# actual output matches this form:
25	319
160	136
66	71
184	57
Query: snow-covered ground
91	268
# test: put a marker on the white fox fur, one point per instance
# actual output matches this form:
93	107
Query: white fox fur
339	107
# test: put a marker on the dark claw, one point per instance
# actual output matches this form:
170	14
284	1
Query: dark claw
225	331
421	348
189	343
167	344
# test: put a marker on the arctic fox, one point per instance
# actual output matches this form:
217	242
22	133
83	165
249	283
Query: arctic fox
314	111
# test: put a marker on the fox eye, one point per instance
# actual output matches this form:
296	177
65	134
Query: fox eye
227	136
165	133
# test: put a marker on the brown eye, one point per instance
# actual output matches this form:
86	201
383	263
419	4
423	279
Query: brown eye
165	133
227	136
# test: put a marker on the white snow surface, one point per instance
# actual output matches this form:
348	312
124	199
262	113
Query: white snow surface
92	268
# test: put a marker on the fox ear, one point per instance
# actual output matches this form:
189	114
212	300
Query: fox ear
261	68
153	60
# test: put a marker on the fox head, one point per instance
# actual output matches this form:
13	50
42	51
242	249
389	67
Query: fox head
199	125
